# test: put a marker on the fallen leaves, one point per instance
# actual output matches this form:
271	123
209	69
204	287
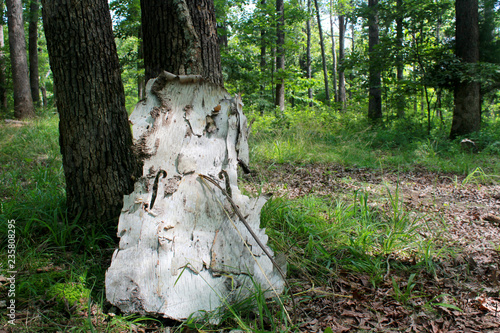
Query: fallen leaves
488	304
461	296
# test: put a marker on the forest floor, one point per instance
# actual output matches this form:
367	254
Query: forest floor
468	275
454	287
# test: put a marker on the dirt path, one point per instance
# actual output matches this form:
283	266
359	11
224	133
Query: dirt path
469	278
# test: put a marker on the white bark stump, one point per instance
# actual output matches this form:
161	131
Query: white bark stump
179	253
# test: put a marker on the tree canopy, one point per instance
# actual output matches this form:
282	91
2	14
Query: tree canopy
415	55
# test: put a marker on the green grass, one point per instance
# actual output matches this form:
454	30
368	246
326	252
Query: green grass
321	235
63	262
32	180
321	136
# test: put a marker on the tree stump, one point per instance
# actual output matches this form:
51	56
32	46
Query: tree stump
180	248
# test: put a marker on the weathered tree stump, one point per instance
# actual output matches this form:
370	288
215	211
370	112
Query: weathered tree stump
179	252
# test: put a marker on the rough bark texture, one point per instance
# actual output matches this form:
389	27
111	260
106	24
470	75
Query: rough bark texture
400	102
342	96
280	54
181	37
23	103
308	52
467	112
95	137
334	56
3	79
179	252
323	57
263	62
33	51
374	82
141	81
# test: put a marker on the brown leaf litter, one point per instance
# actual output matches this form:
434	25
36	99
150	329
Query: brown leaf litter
463	295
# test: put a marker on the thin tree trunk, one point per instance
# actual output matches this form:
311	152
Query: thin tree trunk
334	56
374	81
3	61
353	33
23	103
308	55
342	96
263	62
400	103
141	82
323	57
467	111
95	137
181	37
222	34
273	71
43	90
33	52
280	54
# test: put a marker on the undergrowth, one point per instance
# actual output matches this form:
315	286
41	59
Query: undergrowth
326	136
322	236
62	262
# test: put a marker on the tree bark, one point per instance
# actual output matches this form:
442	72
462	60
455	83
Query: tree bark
180	251
342	96
95	137
400	102
375	92
280	54
141	83
33	51
334	56
467	111
181	38
323	57
3	61
308	55
23	103
263	62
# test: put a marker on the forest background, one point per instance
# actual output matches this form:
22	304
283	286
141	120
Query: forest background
369	91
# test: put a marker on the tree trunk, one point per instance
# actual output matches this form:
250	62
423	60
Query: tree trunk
181	37
33	52
95	137
273	72
141	83
400	102
375	93
23	103
342	96
280	55
467	111
308	55
334	56
179	251
3	78
323	57
44	96
263	62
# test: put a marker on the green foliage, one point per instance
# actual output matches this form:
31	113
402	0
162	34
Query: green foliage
32	175
303	135
71	293
254	313
374	235
320	235
132	68
403	296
